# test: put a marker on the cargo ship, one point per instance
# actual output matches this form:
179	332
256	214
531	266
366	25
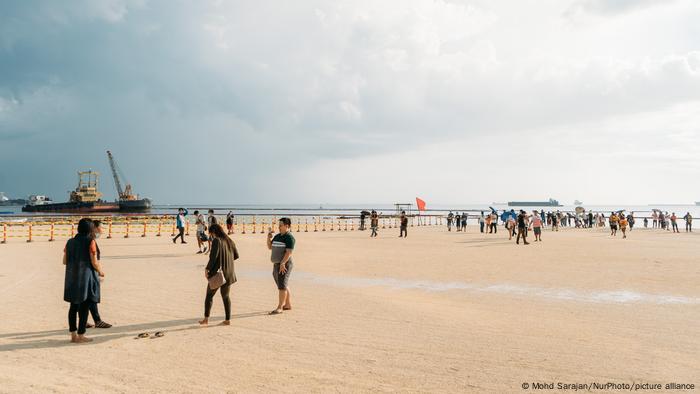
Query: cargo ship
550	203
86	198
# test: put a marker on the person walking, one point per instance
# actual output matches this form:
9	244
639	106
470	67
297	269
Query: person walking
94	311
229	223
201	232
536	225
282	246
623	221
81	285
222	255
614	220
374	223
180	223
404	225
522	228
688	222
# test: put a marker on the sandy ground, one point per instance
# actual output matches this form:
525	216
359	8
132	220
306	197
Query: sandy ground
437	312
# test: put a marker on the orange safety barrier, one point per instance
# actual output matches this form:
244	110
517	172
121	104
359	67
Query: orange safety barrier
109	230
51	239
127	230
30	233
160	223
306	229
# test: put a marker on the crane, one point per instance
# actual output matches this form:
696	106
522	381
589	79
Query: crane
125	194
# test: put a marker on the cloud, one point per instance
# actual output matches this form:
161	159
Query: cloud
232	91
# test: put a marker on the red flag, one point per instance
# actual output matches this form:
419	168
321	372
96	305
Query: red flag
421	204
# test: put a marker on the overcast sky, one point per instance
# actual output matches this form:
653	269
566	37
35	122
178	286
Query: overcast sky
358	101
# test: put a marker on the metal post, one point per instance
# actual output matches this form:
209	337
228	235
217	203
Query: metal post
4	234
51	237
30	233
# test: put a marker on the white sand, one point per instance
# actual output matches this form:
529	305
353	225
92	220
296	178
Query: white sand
437	312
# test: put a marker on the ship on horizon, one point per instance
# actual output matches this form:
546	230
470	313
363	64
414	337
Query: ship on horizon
551	203
86	198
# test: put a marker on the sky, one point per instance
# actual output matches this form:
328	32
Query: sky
357	101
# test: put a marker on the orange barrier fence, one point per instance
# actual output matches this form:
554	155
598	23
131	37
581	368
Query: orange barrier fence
156	226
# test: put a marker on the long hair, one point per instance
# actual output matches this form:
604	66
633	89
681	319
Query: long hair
86	227
218	231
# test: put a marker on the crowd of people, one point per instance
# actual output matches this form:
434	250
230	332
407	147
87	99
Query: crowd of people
84	272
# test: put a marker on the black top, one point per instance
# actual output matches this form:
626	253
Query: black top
81	282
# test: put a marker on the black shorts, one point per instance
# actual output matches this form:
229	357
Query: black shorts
282	279
613	227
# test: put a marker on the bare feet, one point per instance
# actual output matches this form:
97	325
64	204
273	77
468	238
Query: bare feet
82	339
276	311
287	308
73	337
225	323
204	321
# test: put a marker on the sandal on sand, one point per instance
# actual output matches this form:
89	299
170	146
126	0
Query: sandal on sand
101	324
158	334
142	335
276	312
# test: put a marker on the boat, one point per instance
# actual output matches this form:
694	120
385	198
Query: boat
550	203
128	201
84	199
6	201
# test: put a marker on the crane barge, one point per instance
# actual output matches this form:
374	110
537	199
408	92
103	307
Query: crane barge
128	201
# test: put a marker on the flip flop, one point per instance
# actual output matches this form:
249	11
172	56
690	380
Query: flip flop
158	334
287	308
276	312
142	335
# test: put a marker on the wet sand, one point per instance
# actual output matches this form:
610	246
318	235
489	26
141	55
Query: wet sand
437	312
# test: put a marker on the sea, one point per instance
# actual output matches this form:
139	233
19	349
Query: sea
353	210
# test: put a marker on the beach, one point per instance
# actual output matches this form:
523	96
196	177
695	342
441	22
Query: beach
438	311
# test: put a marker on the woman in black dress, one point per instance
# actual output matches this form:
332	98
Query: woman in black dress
82	280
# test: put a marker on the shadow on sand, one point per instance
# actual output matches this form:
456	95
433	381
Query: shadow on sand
42	339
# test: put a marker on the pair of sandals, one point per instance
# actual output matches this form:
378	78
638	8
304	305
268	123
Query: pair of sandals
143	335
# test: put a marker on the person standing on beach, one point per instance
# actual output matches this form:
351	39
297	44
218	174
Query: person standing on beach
82	279
180	223
494	223
201	231
488	223
654	219
94	311
674	222
630	220
623	225
211	220
229	222
404	225
536	224
482	221
613	223
373	223
282	246
646	222
522	228
458	219
688	222
222	257
464	221
450	216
